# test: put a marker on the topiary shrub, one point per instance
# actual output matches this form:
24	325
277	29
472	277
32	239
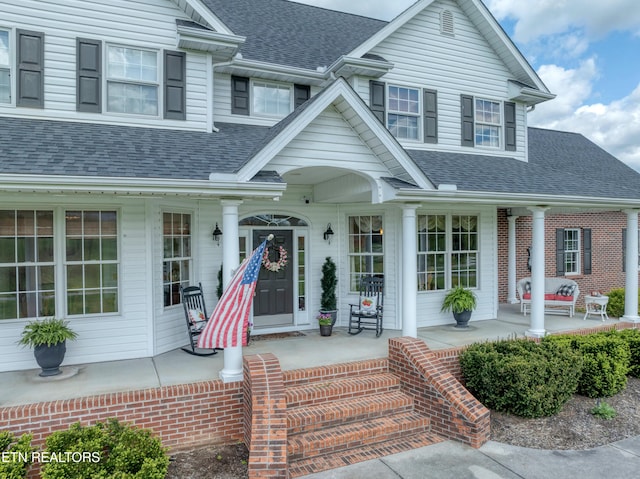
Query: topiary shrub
521	377
16	455
107	451
615	306
632	337
605	362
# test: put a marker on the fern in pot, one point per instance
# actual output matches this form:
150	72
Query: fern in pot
48	339
461	302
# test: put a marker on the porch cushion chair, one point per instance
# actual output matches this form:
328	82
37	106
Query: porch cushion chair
195	313
367	314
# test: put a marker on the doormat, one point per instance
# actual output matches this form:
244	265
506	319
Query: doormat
269	337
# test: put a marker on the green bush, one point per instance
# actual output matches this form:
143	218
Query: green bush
604	410
106	451
605	362
16	455
632	337
521	377
615	307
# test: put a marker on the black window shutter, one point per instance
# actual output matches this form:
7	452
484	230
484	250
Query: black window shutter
466	107
175	85
586	252
301	93
377	99
510	126
30	61
88	75
624	249
239	95
430	116
559	252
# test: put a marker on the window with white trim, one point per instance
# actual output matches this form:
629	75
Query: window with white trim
366	251
403	112
176	262
5	67
447	251
91	261
132	80
572	251
488	123
271	99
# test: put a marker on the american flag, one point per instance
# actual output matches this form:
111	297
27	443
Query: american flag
227	326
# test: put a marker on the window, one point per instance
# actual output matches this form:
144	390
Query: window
27	279
271	99
91	252
177	259
403	115
488	123
366	252
132	80
5	68
571	251
447	251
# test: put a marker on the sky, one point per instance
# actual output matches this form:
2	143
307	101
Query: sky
587	52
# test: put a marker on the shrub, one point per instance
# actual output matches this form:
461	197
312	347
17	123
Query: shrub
604	410
615	307
605	362
521	377
632	337
109	451
16	455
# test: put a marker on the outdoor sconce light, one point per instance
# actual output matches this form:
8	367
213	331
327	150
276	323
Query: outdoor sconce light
217	233
328	234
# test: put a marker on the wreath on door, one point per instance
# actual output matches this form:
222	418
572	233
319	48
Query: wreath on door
278	265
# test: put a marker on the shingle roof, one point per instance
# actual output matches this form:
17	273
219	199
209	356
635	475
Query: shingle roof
560	163
293	34
87	149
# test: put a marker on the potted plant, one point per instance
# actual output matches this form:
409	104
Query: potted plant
328	283
325	320
461	302
48	339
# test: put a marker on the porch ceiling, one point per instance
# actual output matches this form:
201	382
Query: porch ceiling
331	185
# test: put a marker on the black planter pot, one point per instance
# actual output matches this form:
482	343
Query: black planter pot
462	319
333	313
49	358
326	329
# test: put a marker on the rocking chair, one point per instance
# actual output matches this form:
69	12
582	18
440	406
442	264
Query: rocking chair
367	314
195	313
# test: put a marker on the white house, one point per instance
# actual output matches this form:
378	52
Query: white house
131	129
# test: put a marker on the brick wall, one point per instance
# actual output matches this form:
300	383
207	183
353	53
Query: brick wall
606	241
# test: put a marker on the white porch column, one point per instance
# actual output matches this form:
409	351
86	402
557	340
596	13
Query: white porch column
232	367
511	256
631	269
537	273
409	271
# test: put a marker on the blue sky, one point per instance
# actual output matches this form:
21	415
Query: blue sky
586	51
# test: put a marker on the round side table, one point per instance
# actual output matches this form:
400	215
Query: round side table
596	305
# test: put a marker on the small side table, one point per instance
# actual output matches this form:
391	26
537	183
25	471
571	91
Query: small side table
596	305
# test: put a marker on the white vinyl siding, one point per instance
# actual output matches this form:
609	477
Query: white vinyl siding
142	24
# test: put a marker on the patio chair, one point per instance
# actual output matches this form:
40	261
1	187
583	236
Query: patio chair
195	312
367	314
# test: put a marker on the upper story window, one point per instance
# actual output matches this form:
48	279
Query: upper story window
132	80
488	123
5	67
403	114
271	99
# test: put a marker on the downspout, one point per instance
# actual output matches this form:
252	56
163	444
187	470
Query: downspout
210	90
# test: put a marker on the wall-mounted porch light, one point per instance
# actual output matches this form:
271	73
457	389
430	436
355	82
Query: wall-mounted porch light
217	234
328	234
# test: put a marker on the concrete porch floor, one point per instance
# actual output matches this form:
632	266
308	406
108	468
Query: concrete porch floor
178	367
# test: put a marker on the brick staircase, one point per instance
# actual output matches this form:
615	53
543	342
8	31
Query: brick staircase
344	414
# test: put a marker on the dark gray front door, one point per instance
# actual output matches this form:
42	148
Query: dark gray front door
273	302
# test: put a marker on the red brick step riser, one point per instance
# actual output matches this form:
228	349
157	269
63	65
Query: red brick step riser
300	377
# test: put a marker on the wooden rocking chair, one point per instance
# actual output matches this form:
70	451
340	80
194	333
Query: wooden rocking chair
195	313
367	314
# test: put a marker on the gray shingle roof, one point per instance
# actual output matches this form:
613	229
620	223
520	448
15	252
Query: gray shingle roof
85	149
293	34
560	163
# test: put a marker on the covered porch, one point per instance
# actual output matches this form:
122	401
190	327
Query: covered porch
294	352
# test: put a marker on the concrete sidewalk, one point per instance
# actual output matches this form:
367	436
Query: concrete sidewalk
449	460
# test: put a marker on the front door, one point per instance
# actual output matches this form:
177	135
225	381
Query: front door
273	301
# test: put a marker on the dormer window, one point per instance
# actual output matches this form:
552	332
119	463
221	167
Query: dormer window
5	68
488	123
271	99
132	80
403	112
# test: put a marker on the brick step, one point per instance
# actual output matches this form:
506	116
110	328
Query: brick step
337	459
335	413
343	388
297	377
348	436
